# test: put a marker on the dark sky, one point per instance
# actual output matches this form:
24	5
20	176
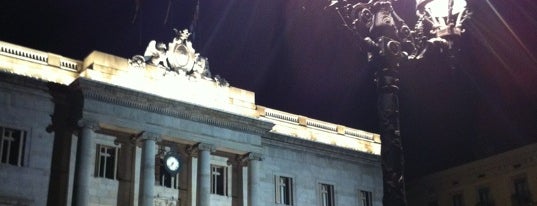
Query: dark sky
298	58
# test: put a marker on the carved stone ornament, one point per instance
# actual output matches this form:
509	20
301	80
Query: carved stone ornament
254	156
89	124
178	57
137	62
206	147
194	149
243	160
150	136
181	55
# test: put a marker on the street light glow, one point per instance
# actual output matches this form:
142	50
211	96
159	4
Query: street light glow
440	8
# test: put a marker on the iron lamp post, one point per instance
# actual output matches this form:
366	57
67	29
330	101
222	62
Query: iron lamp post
389	41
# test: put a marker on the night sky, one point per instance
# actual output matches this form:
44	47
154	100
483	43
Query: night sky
297	57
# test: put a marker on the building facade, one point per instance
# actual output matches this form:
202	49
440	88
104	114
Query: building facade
101	132
506	179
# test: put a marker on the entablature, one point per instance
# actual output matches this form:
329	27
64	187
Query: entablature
114	80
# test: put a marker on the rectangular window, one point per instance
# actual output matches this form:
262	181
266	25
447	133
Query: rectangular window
483	195
522	195
218	180
284	190
327	194
457	200
106	164
366	198
12	146
521	186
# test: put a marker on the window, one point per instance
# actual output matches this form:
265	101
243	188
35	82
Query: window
106	164
366	198
284	190
326	194
522	195
12	146
218	180
521	186
483	196
457	200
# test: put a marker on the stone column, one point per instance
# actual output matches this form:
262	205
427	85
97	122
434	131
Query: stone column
83	166
254	195
237	191
147	170
204	174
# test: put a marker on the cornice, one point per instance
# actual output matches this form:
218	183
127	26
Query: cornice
139	100
303	145
24	81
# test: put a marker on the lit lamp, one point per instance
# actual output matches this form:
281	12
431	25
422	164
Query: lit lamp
444	16
388	41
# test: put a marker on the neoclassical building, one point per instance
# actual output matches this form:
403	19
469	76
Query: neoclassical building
506	179
114	131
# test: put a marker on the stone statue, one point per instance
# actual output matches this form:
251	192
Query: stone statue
179	57
155	53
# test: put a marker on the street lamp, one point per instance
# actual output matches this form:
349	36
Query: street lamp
388	41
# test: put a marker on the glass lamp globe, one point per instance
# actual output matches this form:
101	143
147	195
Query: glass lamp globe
440	8
445	16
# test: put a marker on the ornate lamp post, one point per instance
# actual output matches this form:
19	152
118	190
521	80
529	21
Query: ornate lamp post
389	41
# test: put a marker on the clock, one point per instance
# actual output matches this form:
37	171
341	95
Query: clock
172	163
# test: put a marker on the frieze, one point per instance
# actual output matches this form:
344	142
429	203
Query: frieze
151	103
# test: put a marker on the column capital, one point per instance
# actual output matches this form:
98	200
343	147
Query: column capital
89	124
254	156
194	149
205	146
251	156
144	135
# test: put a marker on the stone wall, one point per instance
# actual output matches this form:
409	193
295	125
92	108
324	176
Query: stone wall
497	173
310	166
26	106
104	89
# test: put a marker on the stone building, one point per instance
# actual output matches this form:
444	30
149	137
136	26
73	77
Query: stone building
100	132
506	179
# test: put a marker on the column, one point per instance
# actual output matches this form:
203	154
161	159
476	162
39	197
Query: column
204	174
237	188
147	170
254	161
83	166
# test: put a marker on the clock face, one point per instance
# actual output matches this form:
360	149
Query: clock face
172	163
